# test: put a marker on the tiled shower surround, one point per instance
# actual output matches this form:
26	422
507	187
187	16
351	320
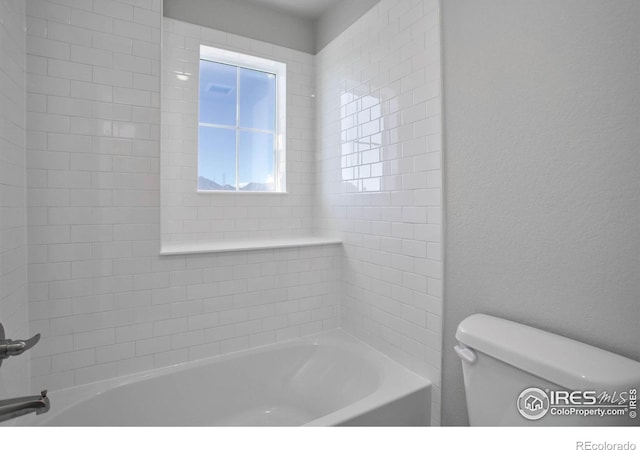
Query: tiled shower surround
106	302
379	165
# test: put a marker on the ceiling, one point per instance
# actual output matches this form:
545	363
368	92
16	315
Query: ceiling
308	9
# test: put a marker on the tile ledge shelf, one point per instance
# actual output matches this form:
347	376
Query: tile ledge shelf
246	244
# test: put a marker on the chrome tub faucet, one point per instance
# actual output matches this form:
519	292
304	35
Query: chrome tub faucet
16	407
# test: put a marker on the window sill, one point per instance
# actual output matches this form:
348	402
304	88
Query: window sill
241	192
243	245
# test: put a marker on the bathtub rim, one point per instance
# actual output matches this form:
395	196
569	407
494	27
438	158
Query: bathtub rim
395	380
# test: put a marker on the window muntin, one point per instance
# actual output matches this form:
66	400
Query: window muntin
241	123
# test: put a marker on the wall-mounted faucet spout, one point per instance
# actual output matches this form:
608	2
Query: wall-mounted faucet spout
16	407
9	347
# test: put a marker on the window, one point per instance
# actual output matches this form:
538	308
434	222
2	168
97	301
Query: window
241	123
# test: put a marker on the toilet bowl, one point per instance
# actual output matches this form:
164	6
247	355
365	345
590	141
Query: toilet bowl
518	375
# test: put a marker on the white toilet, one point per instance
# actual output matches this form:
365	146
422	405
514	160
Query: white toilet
518	375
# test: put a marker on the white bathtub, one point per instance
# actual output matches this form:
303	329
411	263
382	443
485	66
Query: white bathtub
325	379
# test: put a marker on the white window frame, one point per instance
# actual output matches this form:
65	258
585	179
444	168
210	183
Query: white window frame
277	68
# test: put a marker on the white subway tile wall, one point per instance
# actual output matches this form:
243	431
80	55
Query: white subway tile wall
189	217
379	172
14	374
103	299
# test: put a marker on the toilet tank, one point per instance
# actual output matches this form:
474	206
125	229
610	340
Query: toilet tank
518	375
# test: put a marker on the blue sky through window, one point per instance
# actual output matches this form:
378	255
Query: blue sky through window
218	93
257	100
217	157
237	114
255	159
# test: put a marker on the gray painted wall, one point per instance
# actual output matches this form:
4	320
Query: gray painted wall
245	19
542	136
338	18
15	372
268	24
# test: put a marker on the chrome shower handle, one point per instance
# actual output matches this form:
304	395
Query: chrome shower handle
9	347
14	348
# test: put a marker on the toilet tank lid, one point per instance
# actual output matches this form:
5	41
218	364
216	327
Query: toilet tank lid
560	360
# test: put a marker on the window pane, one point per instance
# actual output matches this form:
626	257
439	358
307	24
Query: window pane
257	99
255	161
218	93
216	159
